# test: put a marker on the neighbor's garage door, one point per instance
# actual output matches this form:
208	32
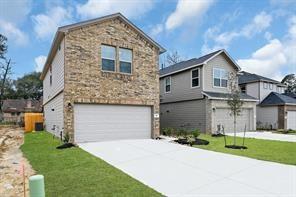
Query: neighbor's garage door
93	122
291	120
223	117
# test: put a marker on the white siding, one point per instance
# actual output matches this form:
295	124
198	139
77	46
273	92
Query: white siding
267	117
49	91
220	61
252	89
54	114
181	87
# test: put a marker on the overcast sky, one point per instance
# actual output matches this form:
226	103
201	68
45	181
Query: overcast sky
259	35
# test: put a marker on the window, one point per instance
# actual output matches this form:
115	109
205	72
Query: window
50	75
195	78
167	85
125	60
220	77
243	89
270	86
108	58
265	85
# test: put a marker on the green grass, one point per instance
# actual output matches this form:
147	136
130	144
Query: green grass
74	172
267	150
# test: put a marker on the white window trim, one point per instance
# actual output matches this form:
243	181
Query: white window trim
265	85
271	86
108	59
195	78
126	61
170	84
216	68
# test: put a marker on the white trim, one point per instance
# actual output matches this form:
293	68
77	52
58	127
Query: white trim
270	86
265	83
217	68
131	62
195	77
219	98
169	77
177	71
222	50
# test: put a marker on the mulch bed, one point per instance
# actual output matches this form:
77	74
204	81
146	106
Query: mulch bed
236	147
197	141
66	145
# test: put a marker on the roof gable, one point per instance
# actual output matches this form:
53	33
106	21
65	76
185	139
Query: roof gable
185	65
246	77
278	99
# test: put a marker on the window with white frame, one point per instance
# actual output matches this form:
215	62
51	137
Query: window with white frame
108	54
125	60
195	78
50	75
265	85
167	85
220	77
270	86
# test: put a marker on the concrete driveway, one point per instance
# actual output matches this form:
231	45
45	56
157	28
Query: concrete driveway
267	135
176	170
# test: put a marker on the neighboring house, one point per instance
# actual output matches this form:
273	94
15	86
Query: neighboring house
101	81
275	109
194	94
14	109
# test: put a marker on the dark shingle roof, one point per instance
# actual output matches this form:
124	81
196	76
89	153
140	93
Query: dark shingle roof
290	94
246	77
278	99
186	64
21	105
227	95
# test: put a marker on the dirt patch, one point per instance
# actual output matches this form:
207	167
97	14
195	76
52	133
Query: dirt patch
11	159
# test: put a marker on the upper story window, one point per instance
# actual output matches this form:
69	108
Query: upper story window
270	86
220	77
108	54
265	85
125	60
50	75
167	85
195	78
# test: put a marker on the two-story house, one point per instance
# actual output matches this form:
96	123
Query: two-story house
194	94
101	81
275	109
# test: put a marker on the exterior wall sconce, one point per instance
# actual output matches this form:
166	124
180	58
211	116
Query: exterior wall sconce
214	109
69	106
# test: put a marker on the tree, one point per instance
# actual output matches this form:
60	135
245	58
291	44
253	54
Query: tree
5	68
290	82
173	58
29	86
235	103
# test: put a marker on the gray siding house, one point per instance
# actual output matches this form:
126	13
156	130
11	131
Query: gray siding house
194	94
275	109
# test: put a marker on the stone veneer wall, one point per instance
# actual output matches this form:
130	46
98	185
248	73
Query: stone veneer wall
85	82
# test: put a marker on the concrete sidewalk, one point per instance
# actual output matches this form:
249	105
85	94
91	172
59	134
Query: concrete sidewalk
176	170
267	135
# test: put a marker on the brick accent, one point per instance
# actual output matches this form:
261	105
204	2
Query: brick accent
85	82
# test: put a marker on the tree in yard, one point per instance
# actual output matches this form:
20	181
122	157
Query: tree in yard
234	101
5	68
173	58
290	82
29	86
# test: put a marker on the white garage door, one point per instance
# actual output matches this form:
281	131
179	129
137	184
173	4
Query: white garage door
291	120
222	116
93	122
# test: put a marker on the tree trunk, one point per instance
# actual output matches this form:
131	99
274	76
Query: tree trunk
7	69
234	127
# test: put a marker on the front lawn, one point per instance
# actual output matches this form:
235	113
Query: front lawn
268	150
74	172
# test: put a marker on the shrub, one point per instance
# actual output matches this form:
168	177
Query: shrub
196	133
190	139
66	137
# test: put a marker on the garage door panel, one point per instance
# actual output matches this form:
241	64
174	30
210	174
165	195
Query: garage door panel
291	119
111	122
223	117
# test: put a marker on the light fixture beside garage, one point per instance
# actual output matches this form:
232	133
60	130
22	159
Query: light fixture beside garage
69	106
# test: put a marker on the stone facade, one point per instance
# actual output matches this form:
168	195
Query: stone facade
85	82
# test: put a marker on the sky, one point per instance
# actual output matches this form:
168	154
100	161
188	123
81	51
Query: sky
259	34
